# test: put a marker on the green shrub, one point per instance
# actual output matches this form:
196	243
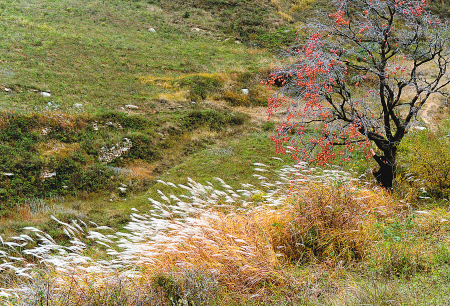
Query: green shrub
268	126
257	94
201	85
214	119
144	146
424	162
236	99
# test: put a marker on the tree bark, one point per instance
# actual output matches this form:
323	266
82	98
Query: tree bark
385	175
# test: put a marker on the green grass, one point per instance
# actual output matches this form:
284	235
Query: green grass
93	52
232	160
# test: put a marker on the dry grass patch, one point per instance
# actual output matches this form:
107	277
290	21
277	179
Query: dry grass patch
241	240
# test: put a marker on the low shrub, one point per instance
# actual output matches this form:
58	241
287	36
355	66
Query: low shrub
424	163
268	126
144	146
215	120
48	154
257	94
236	99
201	85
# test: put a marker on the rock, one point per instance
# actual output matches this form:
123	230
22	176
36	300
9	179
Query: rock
107	155
8	173
122	189
244	91
7	89
237	42
131	106
47	174
151	30
77	105
420	128
45	94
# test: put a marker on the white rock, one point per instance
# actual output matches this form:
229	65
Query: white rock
131	106
244	91
47	174
8	173
420	128
78	105
122	189
152	30
45	94
7	89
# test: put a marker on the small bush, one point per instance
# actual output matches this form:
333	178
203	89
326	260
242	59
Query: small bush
48	154
424	161
144	146
236	99
268	126
201	85
216	120
257	94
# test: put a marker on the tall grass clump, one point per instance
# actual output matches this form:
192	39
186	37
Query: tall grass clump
196	241
329	223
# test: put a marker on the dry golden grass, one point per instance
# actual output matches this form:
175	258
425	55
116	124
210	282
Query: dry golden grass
57	148
328	223
244	240
140	169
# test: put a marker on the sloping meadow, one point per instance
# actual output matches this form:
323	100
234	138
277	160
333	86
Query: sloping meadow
45	154
201	240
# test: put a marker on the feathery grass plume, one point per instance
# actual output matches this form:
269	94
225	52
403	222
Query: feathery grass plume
199	237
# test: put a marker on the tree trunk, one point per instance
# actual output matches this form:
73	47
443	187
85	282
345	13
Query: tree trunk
385	175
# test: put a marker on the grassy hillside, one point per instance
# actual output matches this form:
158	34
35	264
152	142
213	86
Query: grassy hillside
78	77
135	170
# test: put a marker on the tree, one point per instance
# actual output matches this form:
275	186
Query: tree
360	77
